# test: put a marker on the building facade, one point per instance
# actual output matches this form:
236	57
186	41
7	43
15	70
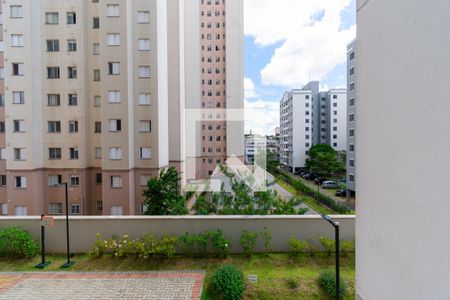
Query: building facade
351	126
95	95
309	117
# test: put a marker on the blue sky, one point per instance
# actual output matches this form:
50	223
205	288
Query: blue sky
286	45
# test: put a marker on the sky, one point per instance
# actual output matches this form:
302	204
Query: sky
287	44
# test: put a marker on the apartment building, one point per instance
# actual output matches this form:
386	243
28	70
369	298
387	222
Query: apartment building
309	117
351	126
87	100
214	83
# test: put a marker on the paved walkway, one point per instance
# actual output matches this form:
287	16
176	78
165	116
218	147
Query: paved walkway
62	285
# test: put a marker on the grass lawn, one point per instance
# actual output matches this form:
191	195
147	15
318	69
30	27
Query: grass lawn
280	276
311	202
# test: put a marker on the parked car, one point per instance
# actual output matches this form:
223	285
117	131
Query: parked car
319	180
309	176
304	175
329	185
341	193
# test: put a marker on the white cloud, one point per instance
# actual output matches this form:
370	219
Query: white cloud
249	88
261	117
310	49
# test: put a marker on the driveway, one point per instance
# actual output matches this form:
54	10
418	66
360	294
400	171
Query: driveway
65	285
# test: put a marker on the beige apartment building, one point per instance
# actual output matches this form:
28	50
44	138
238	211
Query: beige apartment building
94	93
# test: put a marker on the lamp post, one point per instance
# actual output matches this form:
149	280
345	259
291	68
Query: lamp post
336	241
69	263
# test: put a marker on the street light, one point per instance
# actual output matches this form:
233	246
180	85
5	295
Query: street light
69	263
336	241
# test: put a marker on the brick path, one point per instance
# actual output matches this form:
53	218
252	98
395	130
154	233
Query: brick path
59	285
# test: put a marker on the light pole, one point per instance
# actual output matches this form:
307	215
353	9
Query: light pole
336	241
69	263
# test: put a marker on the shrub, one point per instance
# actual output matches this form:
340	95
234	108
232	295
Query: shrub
228	283
166	246
327	244
100	246
211	241
220	245
298	246
347	247
248	242
187	244
267	236
15	242
327	281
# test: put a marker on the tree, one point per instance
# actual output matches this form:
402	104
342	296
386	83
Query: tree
162	195
323	161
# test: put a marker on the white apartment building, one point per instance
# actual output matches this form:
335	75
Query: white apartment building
351	119
309	117
95	93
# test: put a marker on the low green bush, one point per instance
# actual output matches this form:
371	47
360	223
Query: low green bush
209	242
327	244
15	242
248	242
327	281
298	246
228	283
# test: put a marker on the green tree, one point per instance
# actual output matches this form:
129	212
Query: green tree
162	195
323	160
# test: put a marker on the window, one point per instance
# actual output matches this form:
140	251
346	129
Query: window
52	45
18	126
17	40
72	45
2	127
351	177
75	209
52	72
51	18
352	71
351	117
99	205
54	126
145	179
145	126
20	182
115	125
113	68
18	97
351	147
113	39
55	208
54	180
17	69
144	44
3	208
2	180
98	178
144	99
72	72
73	153
2	153
97	101
334	104
352	102
97	127
143	17
16	11
115	153
96	75
351	163
334	144
96	22
71	18
114	96
352	86
116	210
144	71
116	181
352	132
19	153
74	180
146	153
21	211
96	49
54	153
73	99
98	152
73	126
53	99
2	100
2	73
144	208
352	55
112	10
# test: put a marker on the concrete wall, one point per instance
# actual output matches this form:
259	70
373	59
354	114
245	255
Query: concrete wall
403	153
83	229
